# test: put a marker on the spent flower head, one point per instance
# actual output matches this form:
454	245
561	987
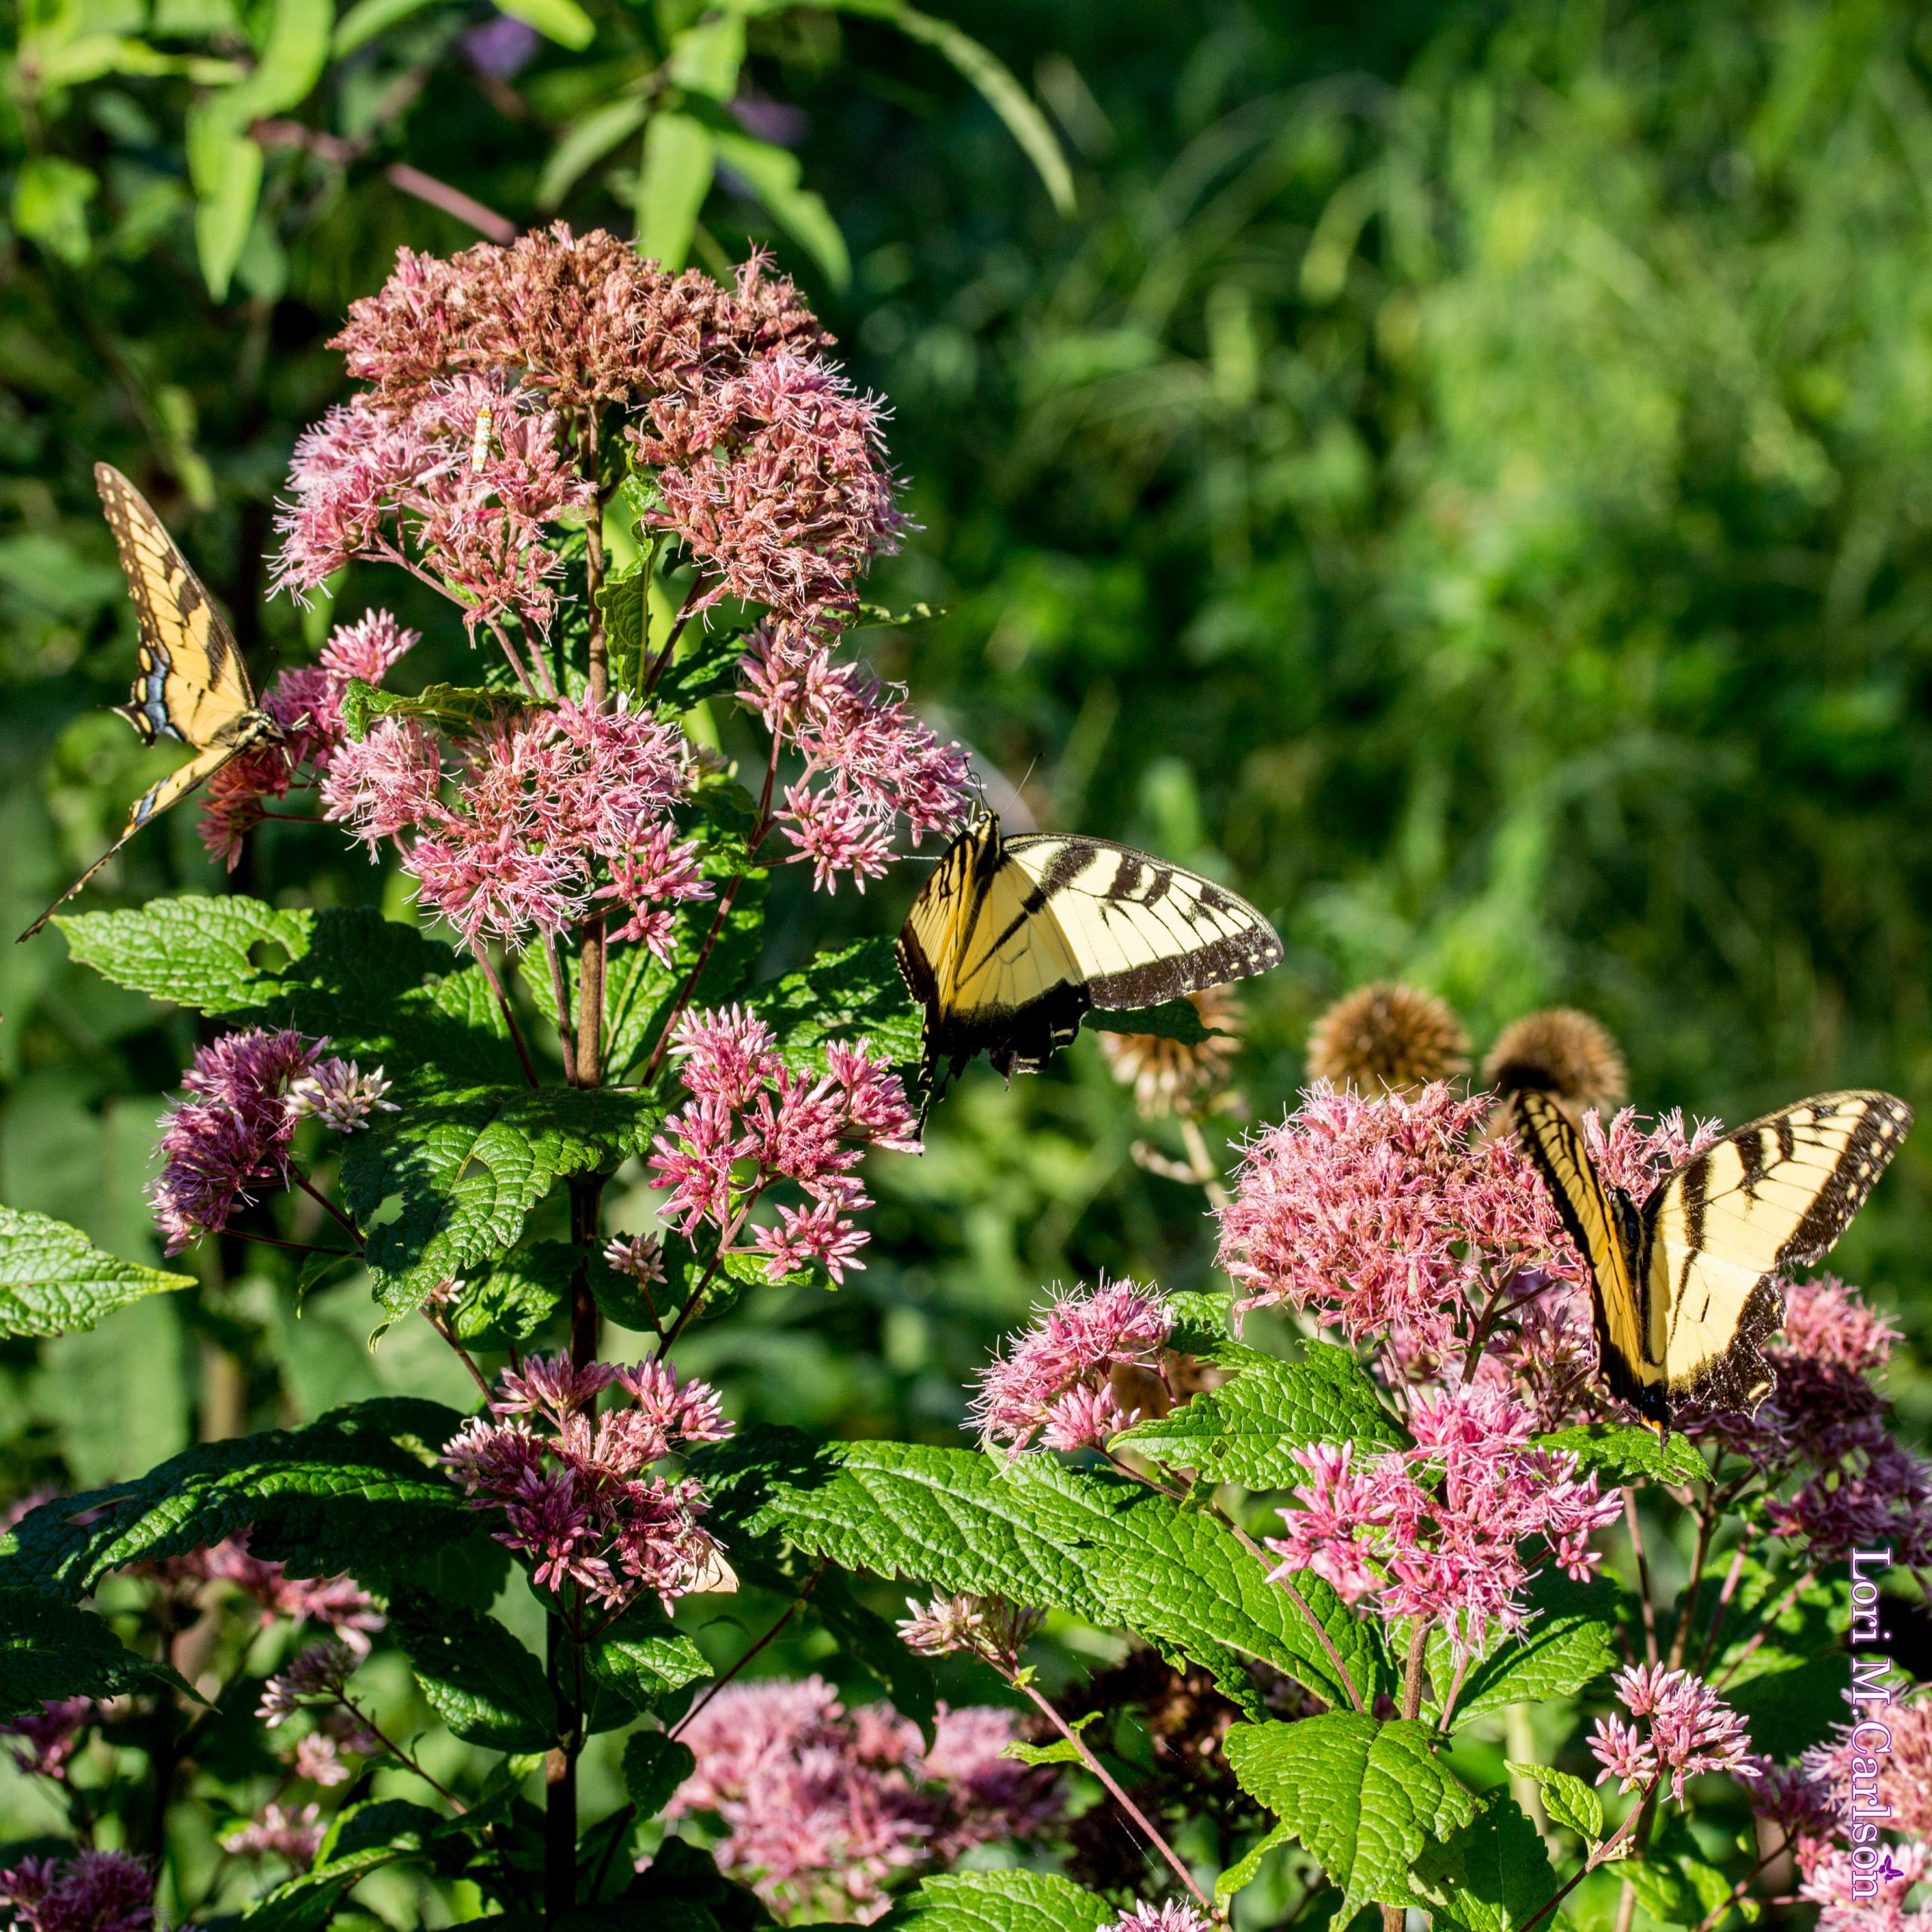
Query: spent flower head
92	1891
990	1628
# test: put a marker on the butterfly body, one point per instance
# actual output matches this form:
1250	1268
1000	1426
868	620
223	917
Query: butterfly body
1685	1283
1012	941
192	685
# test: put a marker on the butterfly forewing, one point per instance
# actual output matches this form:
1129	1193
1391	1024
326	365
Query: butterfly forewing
1776	1194
1592	1216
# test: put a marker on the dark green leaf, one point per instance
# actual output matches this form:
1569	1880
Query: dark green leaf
643	1656
1176	1019
479	1679
338	1495
49	1650
455	709
998	1901
867	1638
464	1171
853	993
681	1883
654	1767
1109	1550
706	664
53	1281
1570	1641
1245	1430
1629	1455
1493	1875
1364	1797
1789	1711
503	1303
1569	1801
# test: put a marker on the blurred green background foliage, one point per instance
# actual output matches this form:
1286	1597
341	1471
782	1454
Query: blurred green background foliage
1463	474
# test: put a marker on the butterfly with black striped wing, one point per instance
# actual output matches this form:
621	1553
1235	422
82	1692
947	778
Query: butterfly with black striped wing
1685	1284
1012	941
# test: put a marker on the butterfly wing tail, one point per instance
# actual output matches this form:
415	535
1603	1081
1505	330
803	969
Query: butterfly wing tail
42	922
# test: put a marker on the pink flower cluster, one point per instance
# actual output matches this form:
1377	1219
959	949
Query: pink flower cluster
776	479
280	1832
1058	1379
1811	1803
549	804
50	1736
1172	1916
399	483
1832	1883
247	1093
317	1681
1382	1212
573	1482
94	1891
868	759
1688	1729
822	1806
1436	1531
306	701
751	1123
339	1604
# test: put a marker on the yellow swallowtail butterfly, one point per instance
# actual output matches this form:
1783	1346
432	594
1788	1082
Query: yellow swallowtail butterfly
193	686
1684	1283
1011	940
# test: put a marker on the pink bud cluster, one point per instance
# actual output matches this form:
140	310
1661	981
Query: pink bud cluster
752	1123
94	1891
1171	1916
1435	1532
868	759
306	701
555	811
339	1604
1686	1730
1058	1379
823	1807
280	1832
1373	1213
399	485
49	1737
247	1092
574	1484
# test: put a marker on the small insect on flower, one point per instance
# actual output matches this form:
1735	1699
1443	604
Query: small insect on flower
479	447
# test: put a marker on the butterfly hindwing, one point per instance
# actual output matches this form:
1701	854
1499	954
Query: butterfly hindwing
192	685
1774	1195
1602	1222
1012	941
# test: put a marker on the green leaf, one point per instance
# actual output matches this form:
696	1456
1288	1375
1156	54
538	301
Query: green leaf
290	64
465	1169
49	1650
505	1302
1109	1550
1246	1430
368	18
774	175
1569	1641
589	139
344	1494
654	1767
867	1638
478	1678
679	159
199	952
1569	1801
563	21
706	664
683	1890
1062	1751
226	168
1493	1875
995	83
1673	1882
51	197
998	1901
54	1280
1364	1797
457	709
362	1838
643	1656
1246	1868
1789	1711
855	993
1176	1019
1630	1455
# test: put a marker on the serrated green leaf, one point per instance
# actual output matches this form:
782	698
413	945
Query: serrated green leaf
1244	1870
1569	1641
654	1767
1628	1454
478	1678
1789	1711
1246	1430
998	1901
1176	1019
452	708
1032	1529
504	1303
201	953
465	1169
53	1281
341	1495
1672	1881
1569	1801
853	993
49	1650
641	1657
362	1839
1364	1797
1493	1875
